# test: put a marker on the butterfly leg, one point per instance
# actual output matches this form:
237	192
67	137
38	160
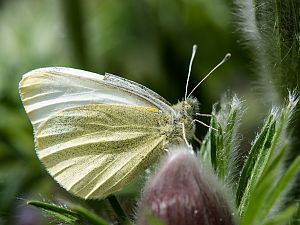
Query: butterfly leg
184	136
197	139
203	114
204	124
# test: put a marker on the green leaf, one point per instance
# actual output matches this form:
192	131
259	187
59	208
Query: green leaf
257	200
265	186
59	212
263	189
205	151
284	181
284	216
213	141
256	164
223	141
257	147
72	215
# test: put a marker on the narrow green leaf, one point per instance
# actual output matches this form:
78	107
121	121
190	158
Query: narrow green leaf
256	148
59	212
284	119
284	181
231	142
257	200
275	164
265	185
205	151
213	141
223	140
231	121
261	160
284	216
73	215
261	195
283	122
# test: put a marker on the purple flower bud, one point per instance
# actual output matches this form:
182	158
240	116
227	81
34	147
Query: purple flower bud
182	193
28	215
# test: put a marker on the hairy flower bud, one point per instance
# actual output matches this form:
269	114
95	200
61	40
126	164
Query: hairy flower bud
182	193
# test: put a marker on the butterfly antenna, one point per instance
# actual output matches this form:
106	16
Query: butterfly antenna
190	68
227	56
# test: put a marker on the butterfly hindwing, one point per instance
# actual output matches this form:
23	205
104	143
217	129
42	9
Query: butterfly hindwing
94	150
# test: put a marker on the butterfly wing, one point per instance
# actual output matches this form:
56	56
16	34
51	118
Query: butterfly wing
95	150
48	90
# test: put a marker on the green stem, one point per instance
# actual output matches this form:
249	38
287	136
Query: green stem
122	216
74	24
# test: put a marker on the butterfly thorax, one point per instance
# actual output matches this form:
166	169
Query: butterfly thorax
184	125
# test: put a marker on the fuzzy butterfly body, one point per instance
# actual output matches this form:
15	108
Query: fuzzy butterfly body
94	133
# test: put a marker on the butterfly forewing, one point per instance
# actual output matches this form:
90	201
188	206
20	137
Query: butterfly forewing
49	90
95	150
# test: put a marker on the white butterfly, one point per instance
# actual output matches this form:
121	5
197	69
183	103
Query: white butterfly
94	133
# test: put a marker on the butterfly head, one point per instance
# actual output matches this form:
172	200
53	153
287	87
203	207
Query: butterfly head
184	119
190	107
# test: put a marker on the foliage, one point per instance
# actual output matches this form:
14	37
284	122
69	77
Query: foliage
98	36
72	215
263	182
150	42
270	31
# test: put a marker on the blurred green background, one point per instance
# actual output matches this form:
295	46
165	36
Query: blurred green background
147	41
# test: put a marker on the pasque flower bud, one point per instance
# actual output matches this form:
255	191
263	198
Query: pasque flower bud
183	193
